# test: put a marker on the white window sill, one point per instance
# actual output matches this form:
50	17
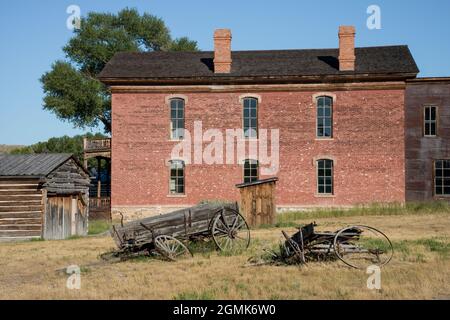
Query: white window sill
176	196
317	195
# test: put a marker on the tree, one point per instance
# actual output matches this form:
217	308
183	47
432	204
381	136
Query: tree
63	144
71	89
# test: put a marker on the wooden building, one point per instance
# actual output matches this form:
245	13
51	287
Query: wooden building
43	196
258	201
427	136
100	190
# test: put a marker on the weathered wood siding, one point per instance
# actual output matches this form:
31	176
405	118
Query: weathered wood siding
422	151
258	203
65	217
21	207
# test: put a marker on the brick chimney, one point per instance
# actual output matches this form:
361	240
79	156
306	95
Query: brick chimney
222	51
347	48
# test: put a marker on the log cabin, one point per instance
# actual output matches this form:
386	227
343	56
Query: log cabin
43	196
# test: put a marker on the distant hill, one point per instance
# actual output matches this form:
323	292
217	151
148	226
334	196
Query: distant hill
6	148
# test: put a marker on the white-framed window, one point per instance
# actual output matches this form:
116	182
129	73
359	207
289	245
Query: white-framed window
442	177
324	107
430	121
325	177
250	117
176	118
250	170
176	181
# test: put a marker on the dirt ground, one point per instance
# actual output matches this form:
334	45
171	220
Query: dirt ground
420	268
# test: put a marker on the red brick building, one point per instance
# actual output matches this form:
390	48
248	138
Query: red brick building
340	114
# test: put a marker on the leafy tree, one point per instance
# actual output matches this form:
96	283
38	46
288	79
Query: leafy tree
63	144
71	89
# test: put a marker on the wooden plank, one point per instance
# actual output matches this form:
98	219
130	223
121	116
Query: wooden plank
20	208
19	181
20	221
20	192
20	215
21	227
20	233
19	187
16	203
25	197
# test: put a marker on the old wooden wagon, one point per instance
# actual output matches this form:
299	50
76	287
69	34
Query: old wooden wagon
165	233
42	196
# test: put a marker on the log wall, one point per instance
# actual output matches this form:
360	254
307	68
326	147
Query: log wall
21	207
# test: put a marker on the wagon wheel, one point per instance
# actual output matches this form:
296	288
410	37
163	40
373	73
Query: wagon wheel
292	248
171	248
362	246
230	232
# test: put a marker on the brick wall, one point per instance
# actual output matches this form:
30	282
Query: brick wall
368	148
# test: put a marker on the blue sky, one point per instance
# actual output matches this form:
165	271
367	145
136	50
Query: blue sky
32	34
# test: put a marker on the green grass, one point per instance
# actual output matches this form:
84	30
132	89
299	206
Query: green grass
439	246
98	226
286	219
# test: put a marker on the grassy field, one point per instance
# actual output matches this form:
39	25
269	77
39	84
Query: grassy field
420	268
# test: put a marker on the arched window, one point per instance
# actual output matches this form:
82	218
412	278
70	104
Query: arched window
250	170
324	117
250	117
176	182
325	176
176	119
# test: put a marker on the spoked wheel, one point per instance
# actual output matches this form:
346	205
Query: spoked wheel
171	248
292	249
362	246
230	231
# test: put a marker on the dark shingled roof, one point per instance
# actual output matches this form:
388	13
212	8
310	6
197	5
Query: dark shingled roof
31	165
272	63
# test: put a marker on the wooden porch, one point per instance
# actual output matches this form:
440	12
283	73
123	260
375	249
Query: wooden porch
100	191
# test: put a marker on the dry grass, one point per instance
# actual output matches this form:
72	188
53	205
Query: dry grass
420	269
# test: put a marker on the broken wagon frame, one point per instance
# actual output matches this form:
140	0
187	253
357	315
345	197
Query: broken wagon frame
345	244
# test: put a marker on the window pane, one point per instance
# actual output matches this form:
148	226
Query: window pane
432	129
432	113
325	176
324	116
427	113
246	112
320	112
250	171
253	113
